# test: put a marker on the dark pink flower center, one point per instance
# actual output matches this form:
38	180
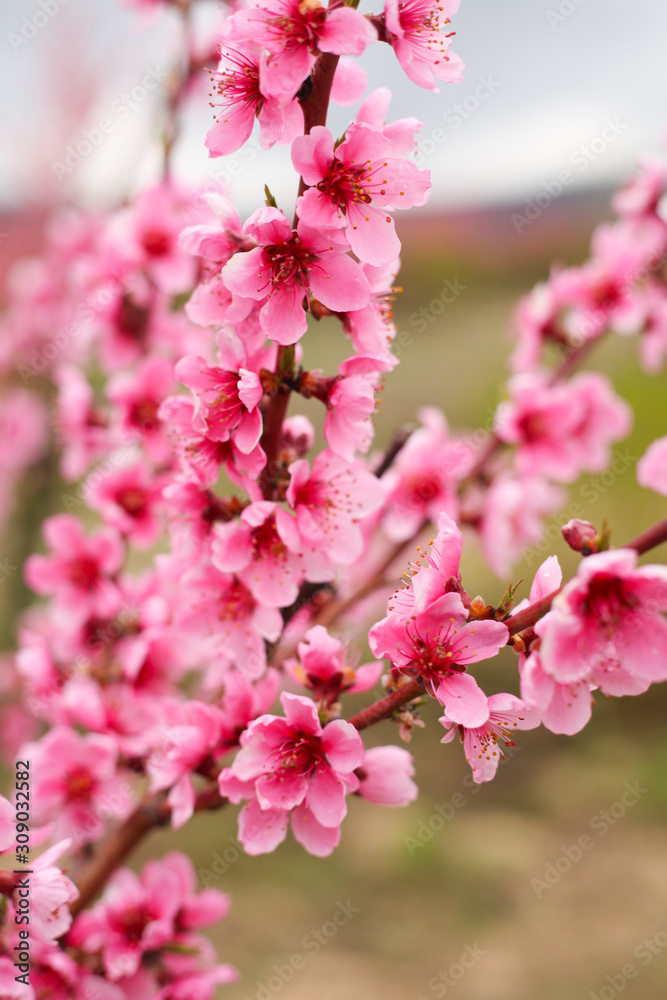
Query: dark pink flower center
156	243
606	600
84	572
236	603
288	262
79	783
432	654
133	501
267	542
301	755
131	923
143	413
237	84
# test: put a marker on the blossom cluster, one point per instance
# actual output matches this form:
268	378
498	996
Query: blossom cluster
209	560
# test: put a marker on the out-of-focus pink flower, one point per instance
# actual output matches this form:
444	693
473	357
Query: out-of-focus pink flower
51	894
422	479
385	776
80	569
128	498
329	502
652	467
137	396
76	782
563	429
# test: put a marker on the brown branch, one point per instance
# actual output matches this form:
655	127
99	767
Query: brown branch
385	707
649	539
155	811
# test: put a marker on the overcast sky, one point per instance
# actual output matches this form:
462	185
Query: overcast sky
550	85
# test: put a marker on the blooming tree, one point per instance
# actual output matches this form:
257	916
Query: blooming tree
217	674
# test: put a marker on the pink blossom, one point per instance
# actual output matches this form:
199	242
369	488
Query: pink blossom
423	478
22	429
349	83
353	185
481	743
226	402
265	550
385	776
652	467
562	429
641	195
348	426
329	502
563	708
296	766
51	894
240	100
401	133
128	498
80	570
221	610
414	29
294	33
287	267
426	634
606	626
82	428
75	782
326	667
512	518
200	456
142	914
191	736
137	396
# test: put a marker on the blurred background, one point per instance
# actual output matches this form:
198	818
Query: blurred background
489	874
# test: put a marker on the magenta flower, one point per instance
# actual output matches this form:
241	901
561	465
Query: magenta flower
422	480
265	550
330	501
563	429
348	426
76	781
352	185
652	467
79	572
606	626
226	402
426	633
481	743
385	776
229	620
238	96
137	396
288	267
293	765
127	498
414	29
294	32
326	667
